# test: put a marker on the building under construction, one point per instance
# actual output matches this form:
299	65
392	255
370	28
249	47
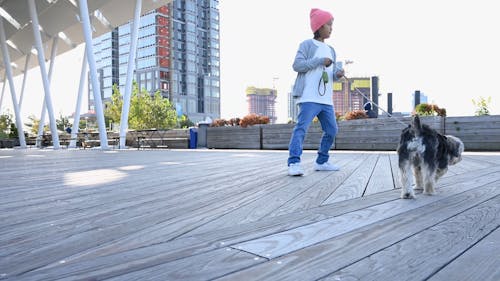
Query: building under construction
346	96
262	101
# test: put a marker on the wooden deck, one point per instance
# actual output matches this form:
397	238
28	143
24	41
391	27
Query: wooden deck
236	215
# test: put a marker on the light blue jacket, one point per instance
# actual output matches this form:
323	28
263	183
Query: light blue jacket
305	61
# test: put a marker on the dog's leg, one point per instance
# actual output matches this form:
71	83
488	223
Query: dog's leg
440	173
406	180
429	179
419	180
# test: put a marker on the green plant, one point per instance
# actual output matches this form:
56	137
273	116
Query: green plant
482	106
5	125
427	109
184	122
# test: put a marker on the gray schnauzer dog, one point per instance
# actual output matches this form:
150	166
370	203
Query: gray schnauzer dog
428	154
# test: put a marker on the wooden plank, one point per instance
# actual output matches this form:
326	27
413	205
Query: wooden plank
319	260
234	137
396	174
315	195
285	242
157	264
103	264
180	220
354	186
420	256
481	262
381	178
198	267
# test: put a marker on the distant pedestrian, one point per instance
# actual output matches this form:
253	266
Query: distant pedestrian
315	64
369	110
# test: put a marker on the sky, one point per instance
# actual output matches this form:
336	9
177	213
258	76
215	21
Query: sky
446	49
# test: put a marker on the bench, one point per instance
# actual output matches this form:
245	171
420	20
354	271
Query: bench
145	142
175	138
87	143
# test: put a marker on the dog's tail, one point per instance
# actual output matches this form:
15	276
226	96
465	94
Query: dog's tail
417	126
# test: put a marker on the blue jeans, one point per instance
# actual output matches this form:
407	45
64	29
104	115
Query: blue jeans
307	112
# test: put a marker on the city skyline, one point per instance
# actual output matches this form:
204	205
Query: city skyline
424	46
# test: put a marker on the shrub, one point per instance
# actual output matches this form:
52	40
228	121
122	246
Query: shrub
253	119
234	121
355	114
218	123
427	109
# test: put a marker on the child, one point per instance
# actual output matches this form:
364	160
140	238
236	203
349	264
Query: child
316	68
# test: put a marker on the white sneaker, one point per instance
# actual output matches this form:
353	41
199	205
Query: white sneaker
294	169
327	166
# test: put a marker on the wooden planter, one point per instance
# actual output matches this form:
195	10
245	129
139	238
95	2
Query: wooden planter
377	133
477	132
278	136
234	137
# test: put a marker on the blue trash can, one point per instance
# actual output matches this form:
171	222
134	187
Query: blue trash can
193	138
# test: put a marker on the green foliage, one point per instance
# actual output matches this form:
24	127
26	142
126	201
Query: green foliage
13	134
62	123
146	111
427	109
5	125
33	124
114	108
184	122
482	106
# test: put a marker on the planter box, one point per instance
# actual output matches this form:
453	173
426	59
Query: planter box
234	137
480	133
278	136
377	133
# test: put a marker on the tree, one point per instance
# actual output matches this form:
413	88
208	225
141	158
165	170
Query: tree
33	125
184	122
163	114
146	111
62	123
114	108
482	106
5	125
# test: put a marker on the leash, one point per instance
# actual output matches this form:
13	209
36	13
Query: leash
367	98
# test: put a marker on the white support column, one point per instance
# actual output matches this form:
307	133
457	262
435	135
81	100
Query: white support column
8	71
84	15
44	107
130	74
43	71
76	120
28	56
3	88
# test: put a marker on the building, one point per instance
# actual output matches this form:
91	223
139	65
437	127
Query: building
345	96
262	101
177	54
293	109
422	98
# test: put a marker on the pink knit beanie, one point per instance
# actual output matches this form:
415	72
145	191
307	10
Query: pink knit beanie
319	18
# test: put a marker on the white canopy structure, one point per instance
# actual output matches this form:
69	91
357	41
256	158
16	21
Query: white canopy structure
61	26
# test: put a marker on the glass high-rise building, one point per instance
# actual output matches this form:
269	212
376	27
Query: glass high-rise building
177	54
